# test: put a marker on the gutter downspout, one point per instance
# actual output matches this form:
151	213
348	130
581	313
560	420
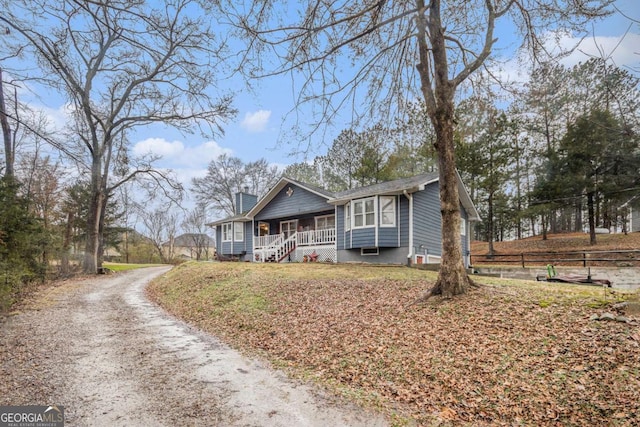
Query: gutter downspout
410	198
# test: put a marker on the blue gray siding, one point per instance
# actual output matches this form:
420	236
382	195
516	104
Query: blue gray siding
340	234
388	237
219	240
386	256
427	221
248	239
465	238
244	202
300	202
363	238
404	221
237	248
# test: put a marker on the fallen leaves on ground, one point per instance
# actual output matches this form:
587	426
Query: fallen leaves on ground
556	246
496	356
561	242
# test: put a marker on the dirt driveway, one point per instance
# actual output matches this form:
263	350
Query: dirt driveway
110	357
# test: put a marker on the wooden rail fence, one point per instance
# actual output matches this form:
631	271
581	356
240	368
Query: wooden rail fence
621	258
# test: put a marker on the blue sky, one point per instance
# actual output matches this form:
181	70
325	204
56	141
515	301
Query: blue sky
258	130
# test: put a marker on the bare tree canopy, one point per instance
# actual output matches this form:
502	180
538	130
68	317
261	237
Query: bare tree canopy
228	175
121	64
372	57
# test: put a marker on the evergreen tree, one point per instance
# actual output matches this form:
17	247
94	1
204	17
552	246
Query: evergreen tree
22	240
598	159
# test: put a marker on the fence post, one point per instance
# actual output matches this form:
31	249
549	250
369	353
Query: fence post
522	258
584	259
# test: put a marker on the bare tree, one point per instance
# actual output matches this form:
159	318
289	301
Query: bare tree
228	175
378	53
8	135
195	226
122	64
161	227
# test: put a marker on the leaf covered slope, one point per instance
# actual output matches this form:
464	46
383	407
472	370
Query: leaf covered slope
507	353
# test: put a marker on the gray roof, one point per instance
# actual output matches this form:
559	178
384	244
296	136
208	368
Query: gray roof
237	218
397	186
389	187
314	188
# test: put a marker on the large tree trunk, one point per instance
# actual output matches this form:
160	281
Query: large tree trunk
490	224
66	245
101	243
9	154
92	246
592	219
452	278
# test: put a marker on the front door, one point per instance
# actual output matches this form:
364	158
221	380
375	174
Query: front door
263	228
288	227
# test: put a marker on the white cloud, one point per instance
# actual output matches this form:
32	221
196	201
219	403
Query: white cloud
176	155
619	50
256	121
158	146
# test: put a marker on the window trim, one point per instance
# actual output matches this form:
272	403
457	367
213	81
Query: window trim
325	217
241	229
463	226
347	217
364	213
227	231
372	253
394	210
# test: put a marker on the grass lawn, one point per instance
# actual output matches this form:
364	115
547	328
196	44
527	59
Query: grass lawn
508	353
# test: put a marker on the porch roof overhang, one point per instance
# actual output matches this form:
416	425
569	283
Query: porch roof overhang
234	218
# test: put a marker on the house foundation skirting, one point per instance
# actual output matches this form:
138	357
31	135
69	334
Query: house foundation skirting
324	253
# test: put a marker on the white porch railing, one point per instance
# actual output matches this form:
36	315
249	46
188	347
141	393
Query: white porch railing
275	248
316	237
269	241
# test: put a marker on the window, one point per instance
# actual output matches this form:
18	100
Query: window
347	217
388	211
325	222
226	232
238	231
288	227
364	213
369	251
463	226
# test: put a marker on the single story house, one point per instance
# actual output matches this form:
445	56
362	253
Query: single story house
393	222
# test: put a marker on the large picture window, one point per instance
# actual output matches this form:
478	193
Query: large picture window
388	211
364	213
226	231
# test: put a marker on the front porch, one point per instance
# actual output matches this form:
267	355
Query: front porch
296	246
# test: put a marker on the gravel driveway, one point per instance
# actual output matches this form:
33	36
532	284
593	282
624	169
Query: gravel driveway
98	347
